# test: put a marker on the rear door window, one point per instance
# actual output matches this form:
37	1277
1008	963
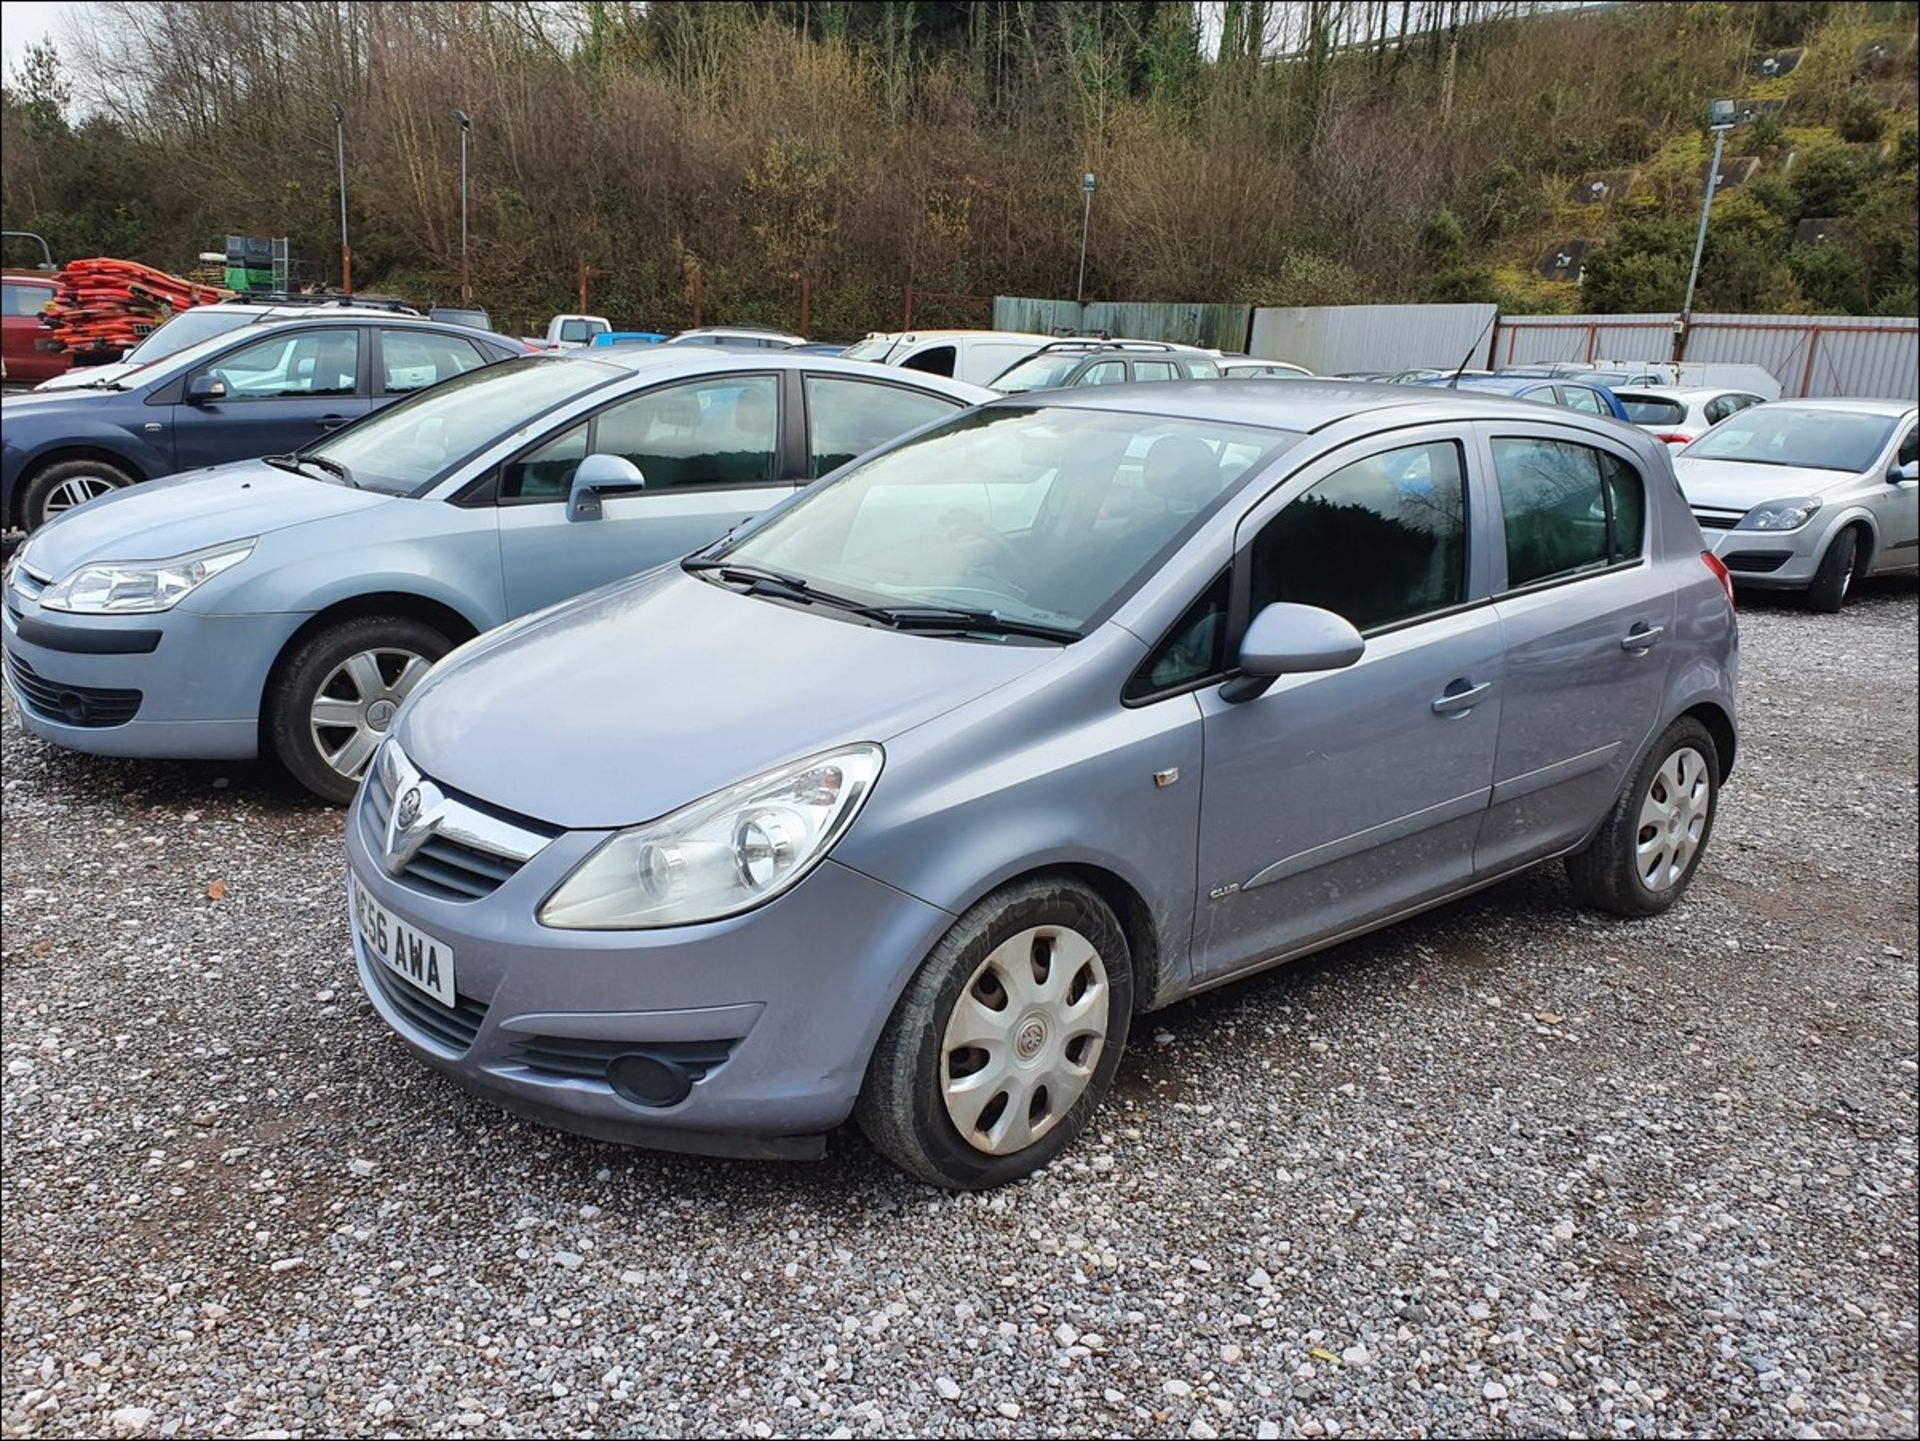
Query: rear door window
850	417
1583	399
1566	509
414	359
1155	370
1199	367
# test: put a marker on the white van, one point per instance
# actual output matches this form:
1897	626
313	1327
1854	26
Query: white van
1695	375
975	356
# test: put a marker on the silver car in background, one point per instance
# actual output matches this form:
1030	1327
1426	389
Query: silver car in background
901	802
1809	495
289	605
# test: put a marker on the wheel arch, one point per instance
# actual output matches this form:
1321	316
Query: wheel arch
411	605
1719	724
59	454
1129	906
1854	518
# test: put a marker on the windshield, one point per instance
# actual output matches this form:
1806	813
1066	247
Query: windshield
189	327
1037	372
1653	410
874	347
407	445
1047	516
1789	435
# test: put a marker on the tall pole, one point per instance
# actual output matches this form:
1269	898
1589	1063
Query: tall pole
340	153
1086	214
1723	122
466	278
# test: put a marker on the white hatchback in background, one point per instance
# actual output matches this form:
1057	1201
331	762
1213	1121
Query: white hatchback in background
1680	415
975	356
1242	367
1809	495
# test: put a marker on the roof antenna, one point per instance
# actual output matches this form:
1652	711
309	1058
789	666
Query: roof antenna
1453	383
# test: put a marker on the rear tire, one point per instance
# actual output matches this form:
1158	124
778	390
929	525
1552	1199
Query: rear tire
1645	853
1040	970
1835	577
333	698
61	486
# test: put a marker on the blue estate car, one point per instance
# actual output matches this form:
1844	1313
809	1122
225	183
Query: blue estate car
289	604
1584	396
245	392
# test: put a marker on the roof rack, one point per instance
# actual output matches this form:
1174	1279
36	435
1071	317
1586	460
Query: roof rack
759	329
292	297
1097	344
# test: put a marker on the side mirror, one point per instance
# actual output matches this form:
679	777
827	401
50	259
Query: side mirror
1288	639
1902	473
204	389
597	475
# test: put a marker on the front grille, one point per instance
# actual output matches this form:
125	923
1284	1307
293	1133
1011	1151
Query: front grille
75	705
28	582
1756	562
1717	520
588	1060
453	1027
445	868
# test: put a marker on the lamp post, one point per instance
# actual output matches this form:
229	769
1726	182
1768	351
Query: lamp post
1721	120
466	285
340	154
1086	214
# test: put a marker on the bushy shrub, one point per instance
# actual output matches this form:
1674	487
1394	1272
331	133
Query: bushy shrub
1858	119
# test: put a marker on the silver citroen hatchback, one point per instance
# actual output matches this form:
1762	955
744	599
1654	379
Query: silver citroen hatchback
900	802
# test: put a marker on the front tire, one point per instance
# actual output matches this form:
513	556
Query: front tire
1004	1041
60	487
1645	853
332	700
1834	579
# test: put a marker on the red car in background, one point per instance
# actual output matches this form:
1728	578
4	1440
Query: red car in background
26	293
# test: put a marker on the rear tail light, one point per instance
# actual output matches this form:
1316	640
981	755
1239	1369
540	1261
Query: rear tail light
1674	437
1720	573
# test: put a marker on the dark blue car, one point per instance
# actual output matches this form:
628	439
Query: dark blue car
247	393
1583	396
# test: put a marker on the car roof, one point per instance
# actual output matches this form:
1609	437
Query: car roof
1296	405
695	360
1495	384
1861	405
1679	392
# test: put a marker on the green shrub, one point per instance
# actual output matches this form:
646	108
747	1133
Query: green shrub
1858	119
1828	181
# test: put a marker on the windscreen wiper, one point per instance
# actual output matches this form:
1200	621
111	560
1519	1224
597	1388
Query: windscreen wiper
332	467
965	618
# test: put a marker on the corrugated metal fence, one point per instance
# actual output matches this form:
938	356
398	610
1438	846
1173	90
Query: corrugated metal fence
1810	355
1219	327
1333	339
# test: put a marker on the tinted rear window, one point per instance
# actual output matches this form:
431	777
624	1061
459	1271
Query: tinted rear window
1653	410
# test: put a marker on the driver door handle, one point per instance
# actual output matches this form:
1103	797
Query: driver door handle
1642	638
332	422
1458	701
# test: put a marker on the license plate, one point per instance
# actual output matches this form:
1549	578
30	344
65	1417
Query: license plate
422	961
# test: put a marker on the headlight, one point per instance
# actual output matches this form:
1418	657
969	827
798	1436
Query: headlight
1779	515
718	856
140	587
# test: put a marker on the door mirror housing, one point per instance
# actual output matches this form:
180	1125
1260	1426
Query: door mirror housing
599	475
1289	639
205	389
1906	472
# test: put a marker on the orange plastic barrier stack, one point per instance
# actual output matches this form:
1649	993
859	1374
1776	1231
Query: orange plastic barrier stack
106	306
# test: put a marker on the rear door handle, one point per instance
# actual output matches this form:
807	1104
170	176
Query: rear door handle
1642	638
1460	697
332	422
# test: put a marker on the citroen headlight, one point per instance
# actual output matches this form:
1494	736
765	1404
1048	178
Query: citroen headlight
141	587
1779	515
718	856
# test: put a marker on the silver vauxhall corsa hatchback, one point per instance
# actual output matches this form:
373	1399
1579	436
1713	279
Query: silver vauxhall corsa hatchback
901	801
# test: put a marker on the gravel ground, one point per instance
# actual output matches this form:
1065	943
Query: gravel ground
1508	1169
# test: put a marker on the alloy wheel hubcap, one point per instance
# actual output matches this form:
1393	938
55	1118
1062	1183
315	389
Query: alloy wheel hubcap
1673	819
1024	1038
357	702
76	490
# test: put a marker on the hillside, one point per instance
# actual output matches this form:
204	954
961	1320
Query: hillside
1307	154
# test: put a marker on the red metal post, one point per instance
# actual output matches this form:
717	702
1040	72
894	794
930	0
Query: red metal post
1813	344
346	270
806	303
1593	337
906	317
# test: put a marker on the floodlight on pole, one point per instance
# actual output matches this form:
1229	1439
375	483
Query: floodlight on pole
1722	117
340	154
1087	183
466	278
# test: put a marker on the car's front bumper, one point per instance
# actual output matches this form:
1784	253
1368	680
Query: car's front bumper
789	998
1771	559
174	686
